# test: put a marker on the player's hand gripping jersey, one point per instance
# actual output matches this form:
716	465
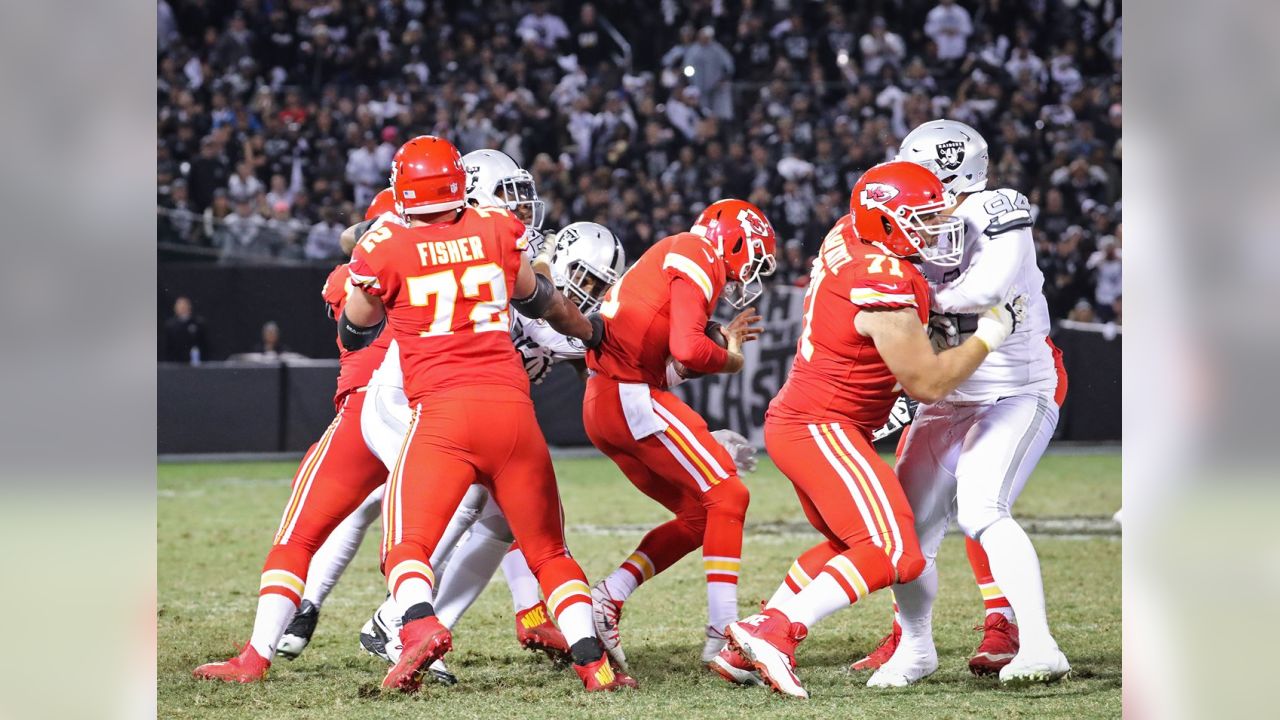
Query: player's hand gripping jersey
675	283
446	288
838	373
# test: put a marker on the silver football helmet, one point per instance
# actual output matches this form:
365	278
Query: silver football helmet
953	151
494	179
588	259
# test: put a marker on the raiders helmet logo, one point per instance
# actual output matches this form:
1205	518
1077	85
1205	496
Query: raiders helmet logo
951	154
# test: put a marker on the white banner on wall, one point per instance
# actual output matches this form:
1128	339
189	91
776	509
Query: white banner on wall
739	401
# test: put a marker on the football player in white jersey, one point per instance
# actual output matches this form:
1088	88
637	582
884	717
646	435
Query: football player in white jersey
971	454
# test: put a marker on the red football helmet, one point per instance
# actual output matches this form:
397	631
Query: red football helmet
383	202
745	240
897	206
427	176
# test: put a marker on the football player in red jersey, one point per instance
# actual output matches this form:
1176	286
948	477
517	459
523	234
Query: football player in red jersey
659	310
862	340
335	477
444	283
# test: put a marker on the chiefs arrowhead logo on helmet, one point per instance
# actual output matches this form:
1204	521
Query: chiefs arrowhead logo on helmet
878	193
751	223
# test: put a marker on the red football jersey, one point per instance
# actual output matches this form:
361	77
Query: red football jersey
637	309
354	368
447	288
838	375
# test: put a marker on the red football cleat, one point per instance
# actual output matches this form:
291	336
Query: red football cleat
425	641
769	641
246	667
881	654
999	645
535	631
733	667
600	676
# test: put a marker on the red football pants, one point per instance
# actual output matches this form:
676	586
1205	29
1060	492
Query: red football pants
685	470
335	477
486	434
853	498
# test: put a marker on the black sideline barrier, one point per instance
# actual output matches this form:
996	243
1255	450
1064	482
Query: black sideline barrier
244	407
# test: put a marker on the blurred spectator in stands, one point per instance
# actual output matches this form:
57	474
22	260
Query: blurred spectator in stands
244	186
324	238
709	67
365	170
1082	312
286	231
793	266
209	172
591	40
214	222
246	239
281	191
880	47
1063	282
949	26
1105	264
684	113
270	343
179	222
542	27
184	336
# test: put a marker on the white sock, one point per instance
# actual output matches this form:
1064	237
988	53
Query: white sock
337	552
621	583
817	600
1016	568
470	570
521	581
274	613
1006	612
915	608
412	591
575	622
779	596
722	604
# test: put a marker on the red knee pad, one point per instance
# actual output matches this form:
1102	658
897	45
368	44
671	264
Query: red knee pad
730	497
910	566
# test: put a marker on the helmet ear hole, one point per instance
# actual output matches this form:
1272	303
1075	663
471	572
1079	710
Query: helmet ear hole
888	226
737	247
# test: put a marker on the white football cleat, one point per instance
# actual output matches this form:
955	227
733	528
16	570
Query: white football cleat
1026	669
606	613
388	619
715	643
907	667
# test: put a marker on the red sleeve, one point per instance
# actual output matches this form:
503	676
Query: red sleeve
364	272
334	291
688	340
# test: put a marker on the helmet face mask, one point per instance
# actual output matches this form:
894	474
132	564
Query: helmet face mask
901	208
745	242
493	178
520	196
588	260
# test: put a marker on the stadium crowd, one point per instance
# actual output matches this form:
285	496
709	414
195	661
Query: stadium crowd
278	118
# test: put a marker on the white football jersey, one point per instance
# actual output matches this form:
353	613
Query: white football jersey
539	346
999	255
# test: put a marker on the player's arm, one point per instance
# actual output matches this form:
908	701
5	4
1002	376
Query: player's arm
363	317
986	281
901	341
535	296
347	240
688	341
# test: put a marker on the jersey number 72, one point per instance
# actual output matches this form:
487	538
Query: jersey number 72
487	315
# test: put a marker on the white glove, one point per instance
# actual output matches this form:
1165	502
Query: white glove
740	449
943	332
997	324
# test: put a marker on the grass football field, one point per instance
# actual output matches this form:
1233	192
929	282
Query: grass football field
216	521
